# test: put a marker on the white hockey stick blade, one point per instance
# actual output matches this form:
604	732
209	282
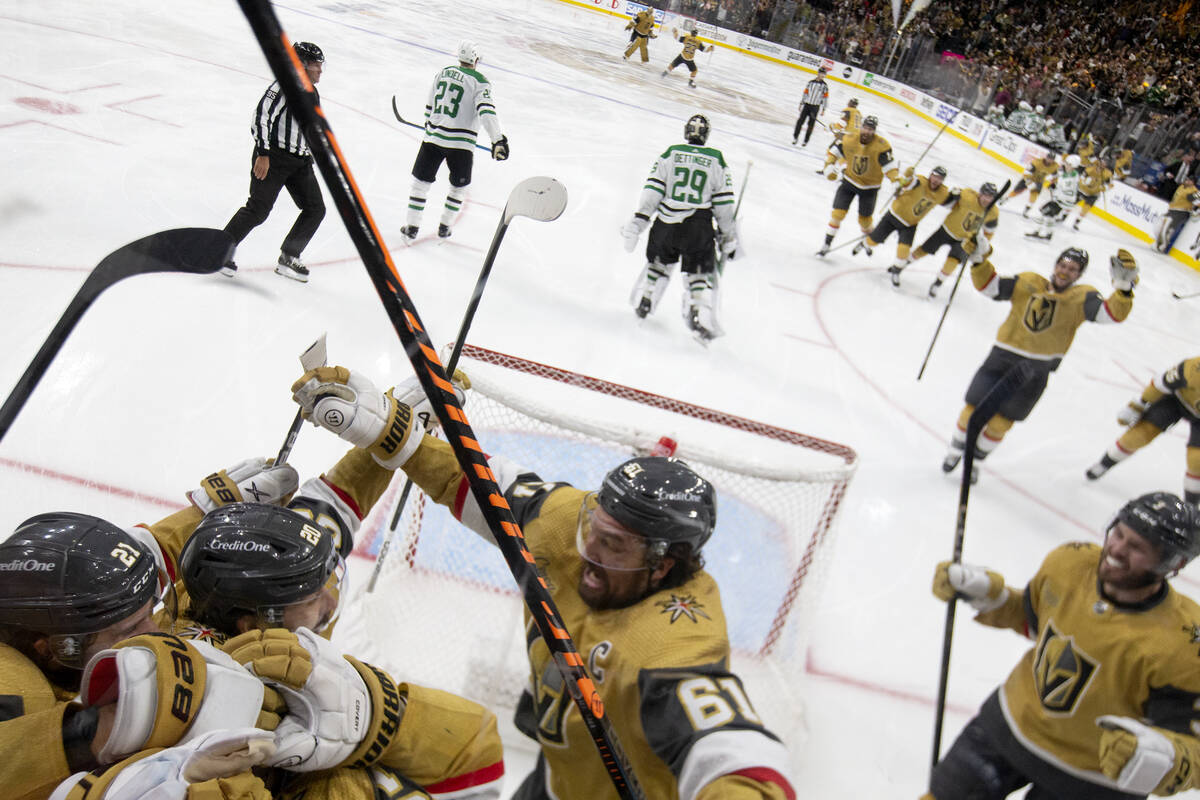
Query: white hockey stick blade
538	198
315	356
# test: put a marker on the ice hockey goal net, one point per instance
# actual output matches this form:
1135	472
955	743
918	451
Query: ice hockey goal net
445	611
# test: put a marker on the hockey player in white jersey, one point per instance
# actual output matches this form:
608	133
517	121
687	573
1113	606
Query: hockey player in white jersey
688	186
460	100
1064	194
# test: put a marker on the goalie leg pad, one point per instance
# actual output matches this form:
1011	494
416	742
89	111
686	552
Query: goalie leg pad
701	300
652	284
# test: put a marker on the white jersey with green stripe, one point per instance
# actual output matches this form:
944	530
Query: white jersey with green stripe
685	178
459	102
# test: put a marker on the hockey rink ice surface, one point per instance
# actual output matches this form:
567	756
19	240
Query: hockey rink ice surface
121	119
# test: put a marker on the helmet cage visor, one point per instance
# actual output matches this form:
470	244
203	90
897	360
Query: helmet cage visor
274	615
614	547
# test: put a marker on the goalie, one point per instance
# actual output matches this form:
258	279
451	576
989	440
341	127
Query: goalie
688	186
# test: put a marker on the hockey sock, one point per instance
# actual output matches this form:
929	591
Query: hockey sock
949	267
865	224
1134	439
416	201
992	435
454	201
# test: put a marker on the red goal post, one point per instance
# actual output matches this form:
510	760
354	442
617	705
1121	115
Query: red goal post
445	612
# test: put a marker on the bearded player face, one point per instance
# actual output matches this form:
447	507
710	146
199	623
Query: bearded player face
1128	560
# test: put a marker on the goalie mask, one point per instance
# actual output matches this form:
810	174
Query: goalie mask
1169	523
696	130
70	576
262	560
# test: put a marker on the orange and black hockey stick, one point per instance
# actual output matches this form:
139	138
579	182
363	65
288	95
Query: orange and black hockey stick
302	102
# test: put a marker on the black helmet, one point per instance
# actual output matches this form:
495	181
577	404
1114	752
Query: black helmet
253	558
696	130
1076	254
1170	523
939	171
852	102
989	188
69	575
309	53
871	122
661	499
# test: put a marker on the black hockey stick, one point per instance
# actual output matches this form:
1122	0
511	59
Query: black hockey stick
1005	388
1179	296
538	198
403	121
302	102
195	250
954	289
315	356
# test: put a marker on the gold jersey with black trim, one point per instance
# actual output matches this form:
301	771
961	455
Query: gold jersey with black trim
1123	163
661	665
691	43
1093	657
642	22
1095	179
31	729
967	215
1038	171
917	199
851	119
1183	381
1186	198
866	165
1041	323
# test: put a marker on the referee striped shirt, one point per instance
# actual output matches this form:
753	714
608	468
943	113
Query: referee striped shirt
816	92
274	127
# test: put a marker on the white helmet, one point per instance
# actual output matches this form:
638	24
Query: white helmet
1024	105
1072	161
468	52
1040	108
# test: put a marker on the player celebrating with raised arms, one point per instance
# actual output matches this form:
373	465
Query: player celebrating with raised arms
460	100
970	211
687	57
641	29
613	559
1039	329
688	186
1104	705
864	160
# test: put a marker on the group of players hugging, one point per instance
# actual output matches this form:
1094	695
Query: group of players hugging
191	658
1106	704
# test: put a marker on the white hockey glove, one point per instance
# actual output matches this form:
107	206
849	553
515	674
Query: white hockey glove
349	405
730	242
1141	759
981	250
168	691
907	177
410	393
981	587
632	229
1123	270
218	761
255	480
1131	412
338	711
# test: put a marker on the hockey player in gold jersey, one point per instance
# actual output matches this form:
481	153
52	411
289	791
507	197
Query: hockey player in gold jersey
687	57
970	212
850	122
642	27
917	197
1105	705
1039	329
625	568
1034	178
1185	202
1123	164
1096	179
1170	397
863	161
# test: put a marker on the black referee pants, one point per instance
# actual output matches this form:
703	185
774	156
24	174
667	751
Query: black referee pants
808	111
295	173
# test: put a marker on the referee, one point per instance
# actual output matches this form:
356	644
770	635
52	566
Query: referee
816	96
282	160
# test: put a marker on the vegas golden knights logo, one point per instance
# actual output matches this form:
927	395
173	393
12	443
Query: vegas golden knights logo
860	165
1039	313
1061	671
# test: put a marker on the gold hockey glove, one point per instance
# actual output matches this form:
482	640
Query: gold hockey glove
1143	759
981	587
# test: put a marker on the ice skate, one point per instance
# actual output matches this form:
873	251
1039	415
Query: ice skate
824	249
933	287
291	267
950	462
894	274
1100	467
229	269
409	232
443	231
643	308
